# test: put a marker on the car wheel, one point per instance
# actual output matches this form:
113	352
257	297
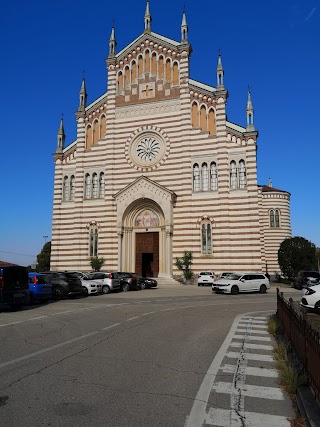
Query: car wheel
142	285
85	291
263	289
57	293
105	289
125	287
15	307
234	290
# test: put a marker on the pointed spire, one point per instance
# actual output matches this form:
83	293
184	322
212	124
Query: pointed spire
112	43
184	28
61	137
249	113
220	74
83	96
270	182
147	19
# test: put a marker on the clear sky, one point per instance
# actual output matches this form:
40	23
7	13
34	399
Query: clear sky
273	46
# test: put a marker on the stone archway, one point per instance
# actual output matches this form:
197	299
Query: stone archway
140	197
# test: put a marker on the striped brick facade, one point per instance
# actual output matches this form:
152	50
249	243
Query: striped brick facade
158	107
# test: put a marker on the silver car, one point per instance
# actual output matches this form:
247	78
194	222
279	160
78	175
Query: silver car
106	281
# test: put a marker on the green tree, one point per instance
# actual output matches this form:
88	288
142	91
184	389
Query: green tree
43	259
184	264
96	263
294	254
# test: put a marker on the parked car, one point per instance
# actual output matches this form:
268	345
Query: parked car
106	282
89	286
242	282
305	277
147	282
64	283
311	299
14	286
129	281
224	274
206	278
39	289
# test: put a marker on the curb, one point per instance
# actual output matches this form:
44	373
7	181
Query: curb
308	406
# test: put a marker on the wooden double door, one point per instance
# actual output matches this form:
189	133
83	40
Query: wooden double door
147	254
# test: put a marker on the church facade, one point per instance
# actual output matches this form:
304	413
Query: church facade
157	169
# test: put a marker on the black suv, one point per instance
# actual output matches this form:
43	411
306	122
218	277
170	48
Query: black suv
306	277
129	281
64	283
14	286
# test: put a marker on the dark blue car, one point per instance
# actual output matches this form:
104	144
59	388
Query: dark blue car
38	288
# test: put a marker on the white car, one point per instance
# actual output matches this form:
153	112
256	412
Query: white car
89	286
107	282
311	298
242	282
206	278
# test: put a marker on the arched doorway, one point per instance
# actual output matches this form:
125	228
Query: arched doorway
144	226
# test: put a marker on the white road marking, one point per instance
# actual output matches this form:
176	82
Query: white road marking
221	417
251	356
256	372
258	327
253	332
252	346
111	326
147	314
45	350
249	390
253	338
132	318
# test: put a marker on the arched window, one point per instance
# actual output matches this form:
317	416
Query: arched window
206	238
72	187
233	175
101	184
272	219
277	218
88	137
93	241
127	77
168	71
140	66
203	118
154	64
95	131
213	177
87	191
196	177
242	175
94	185
175	74
103	126
161	67
65	193
120	82
212	122
133	72
147	62
204	177
195	115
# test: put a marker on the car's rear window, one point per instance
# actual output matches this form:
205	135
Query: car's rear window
206	273
37	279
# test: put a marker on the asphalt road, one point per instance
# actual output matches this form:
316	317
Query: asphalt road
134	359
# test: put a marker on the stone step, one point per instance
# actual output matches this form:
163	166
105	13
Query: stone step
167	281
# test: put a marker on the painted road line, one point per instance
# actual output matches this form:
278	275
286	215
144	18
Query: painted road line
198	411
258	327
252	338
147	314
248	390
253	332
250	356
132	318
255	317
253	322
256	372
45	350
111	326
222	418
251	346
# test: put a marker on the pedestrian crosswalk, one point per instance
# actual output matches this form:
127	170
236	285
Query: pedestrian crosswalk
244	389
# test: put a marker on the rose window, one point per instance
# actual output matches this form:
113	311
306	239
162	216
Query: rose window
148	149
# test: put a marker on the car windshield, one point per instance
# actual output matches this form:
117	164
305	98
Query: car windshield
233	276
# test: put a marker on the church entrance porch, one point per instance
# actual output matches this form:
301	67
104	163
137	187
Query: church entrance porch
147	254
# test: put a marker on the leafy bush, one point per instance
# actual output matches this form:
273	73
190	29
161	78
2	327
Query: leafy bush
96	263
184	264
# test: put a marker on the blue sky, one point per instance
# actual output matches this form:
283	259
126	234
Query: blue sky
272	46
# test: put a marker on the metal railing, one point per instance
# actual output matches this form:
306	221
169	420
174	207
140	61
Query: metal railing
304	339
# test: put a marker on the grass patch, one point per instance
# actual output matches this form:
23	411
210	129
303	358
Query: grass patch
272	326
